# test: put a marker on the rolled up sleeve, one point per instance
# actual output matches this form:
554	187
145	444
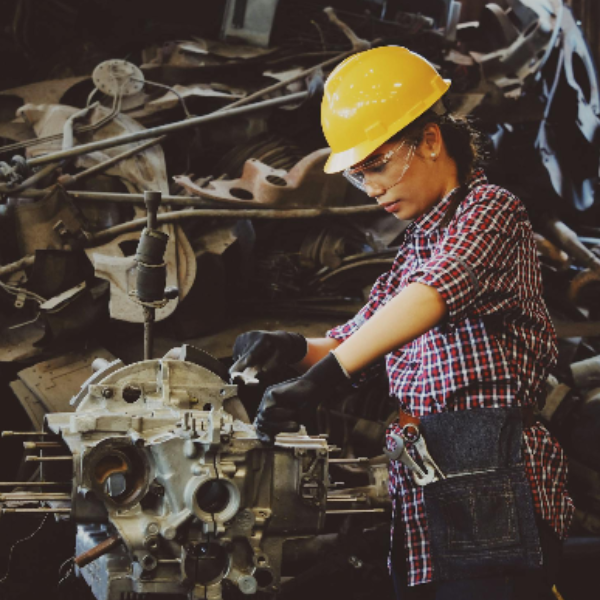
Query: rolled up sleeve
471	267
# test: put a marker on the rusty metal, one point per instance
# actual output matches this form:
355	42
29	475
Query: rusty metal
262	185
164	129
103	548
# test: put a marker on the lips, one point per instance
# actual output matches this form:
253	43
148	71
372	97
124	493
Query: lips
391	207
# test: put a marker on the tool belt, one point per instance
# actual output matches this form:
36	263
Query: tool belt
480	515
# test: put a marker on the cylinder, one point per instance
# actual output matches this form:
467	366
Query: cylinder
151	247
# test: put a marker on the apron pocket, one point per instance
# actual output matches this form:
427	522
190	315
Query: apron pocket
482	524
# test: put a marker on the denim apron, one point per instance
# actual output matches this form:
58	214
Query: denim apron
480	517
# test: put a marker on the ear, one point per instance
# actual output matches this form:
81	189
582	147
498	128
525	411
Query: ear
432	139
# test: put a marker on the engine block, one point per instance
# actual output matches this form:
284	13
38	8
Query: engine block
173	493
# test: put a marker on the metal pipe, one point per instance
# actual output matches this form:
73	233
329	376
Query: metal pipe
348	460
68	180
358	511
11	433
37	445
32	497
26	261
35	510
283	84
163	129
182	215
6	189
47	458
97	551
139	199
148	332
32	483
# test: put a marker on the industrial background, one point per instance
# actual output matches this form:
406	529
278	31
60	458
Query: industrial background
129	465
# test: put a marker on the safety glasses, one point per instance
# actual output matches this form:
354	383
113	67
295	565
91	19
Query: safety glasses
375	170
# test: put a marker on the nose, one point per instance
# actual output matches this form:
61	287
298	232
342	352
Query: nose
373	191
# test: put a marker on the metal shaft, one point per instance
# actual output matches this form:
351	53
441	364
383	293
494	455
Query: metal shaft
12	433
149	314
97	551
355	512
163	129
35	510
41	445
32	483
47	458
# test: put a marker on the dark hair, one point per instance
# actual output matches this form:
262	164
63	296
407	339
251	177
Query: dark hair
463	142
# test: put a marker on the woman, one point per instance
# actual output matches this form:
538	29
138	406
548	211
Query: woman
466	336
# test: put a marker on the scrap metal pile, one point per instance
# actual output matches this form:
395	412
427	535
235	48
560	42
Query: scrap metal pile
165	467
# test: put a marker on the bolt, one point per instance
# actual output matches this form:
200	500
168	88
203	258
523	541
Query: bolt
107	393
152	528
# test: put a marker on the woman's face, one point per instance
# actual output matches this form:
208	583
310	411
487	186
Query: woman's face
414	179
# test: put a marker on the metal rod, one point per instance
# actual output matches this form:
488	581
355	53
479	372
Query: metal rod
163	129
148	332
68	180
40	445
348	499
32	483
32	497
139	199
11	433
182	215
283	84
348	460
97	551
47	458
35	510
355	512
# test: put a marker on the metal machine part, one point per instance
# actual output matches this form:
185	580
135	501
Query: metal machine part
183	497
118	78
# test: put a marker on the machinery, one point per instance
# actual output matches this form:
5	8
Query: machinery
180	495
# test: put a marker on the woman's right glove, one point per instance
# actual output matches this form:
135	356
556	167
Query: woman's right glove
264	351
285	406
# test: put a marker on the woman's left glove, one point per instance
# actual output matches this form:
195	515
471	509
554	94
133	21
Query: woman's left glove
283	406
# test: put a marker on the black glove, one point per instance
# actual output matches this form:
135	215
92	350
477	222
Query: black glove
267	350
284	405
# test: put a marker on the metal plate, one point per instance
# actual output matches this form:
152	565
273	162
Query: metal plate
118	77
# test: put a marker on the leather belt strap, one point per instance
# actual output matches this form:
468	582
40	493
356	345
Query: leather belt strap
527	412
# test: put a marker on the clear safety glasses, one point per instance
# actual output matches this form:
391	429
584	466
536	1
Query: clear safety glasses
375	171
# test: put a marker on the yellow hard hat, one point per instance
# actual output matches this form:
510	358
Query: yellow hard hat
371	96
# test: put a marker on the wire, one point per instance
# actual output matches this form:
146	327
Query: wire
69	572
15	291
21	541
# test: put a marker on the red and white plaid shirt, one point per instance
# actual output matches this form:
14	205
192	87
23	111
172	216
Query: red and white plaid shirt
494	350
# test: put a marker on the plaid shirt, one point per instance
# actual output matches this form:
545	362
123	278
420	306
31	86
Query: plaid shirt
494	350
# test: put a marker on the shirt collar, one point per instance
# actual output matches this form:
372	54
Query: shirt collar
430	220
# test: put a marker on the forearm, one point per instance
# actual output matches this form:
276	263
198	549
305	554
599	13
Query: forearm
414	311
318	348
